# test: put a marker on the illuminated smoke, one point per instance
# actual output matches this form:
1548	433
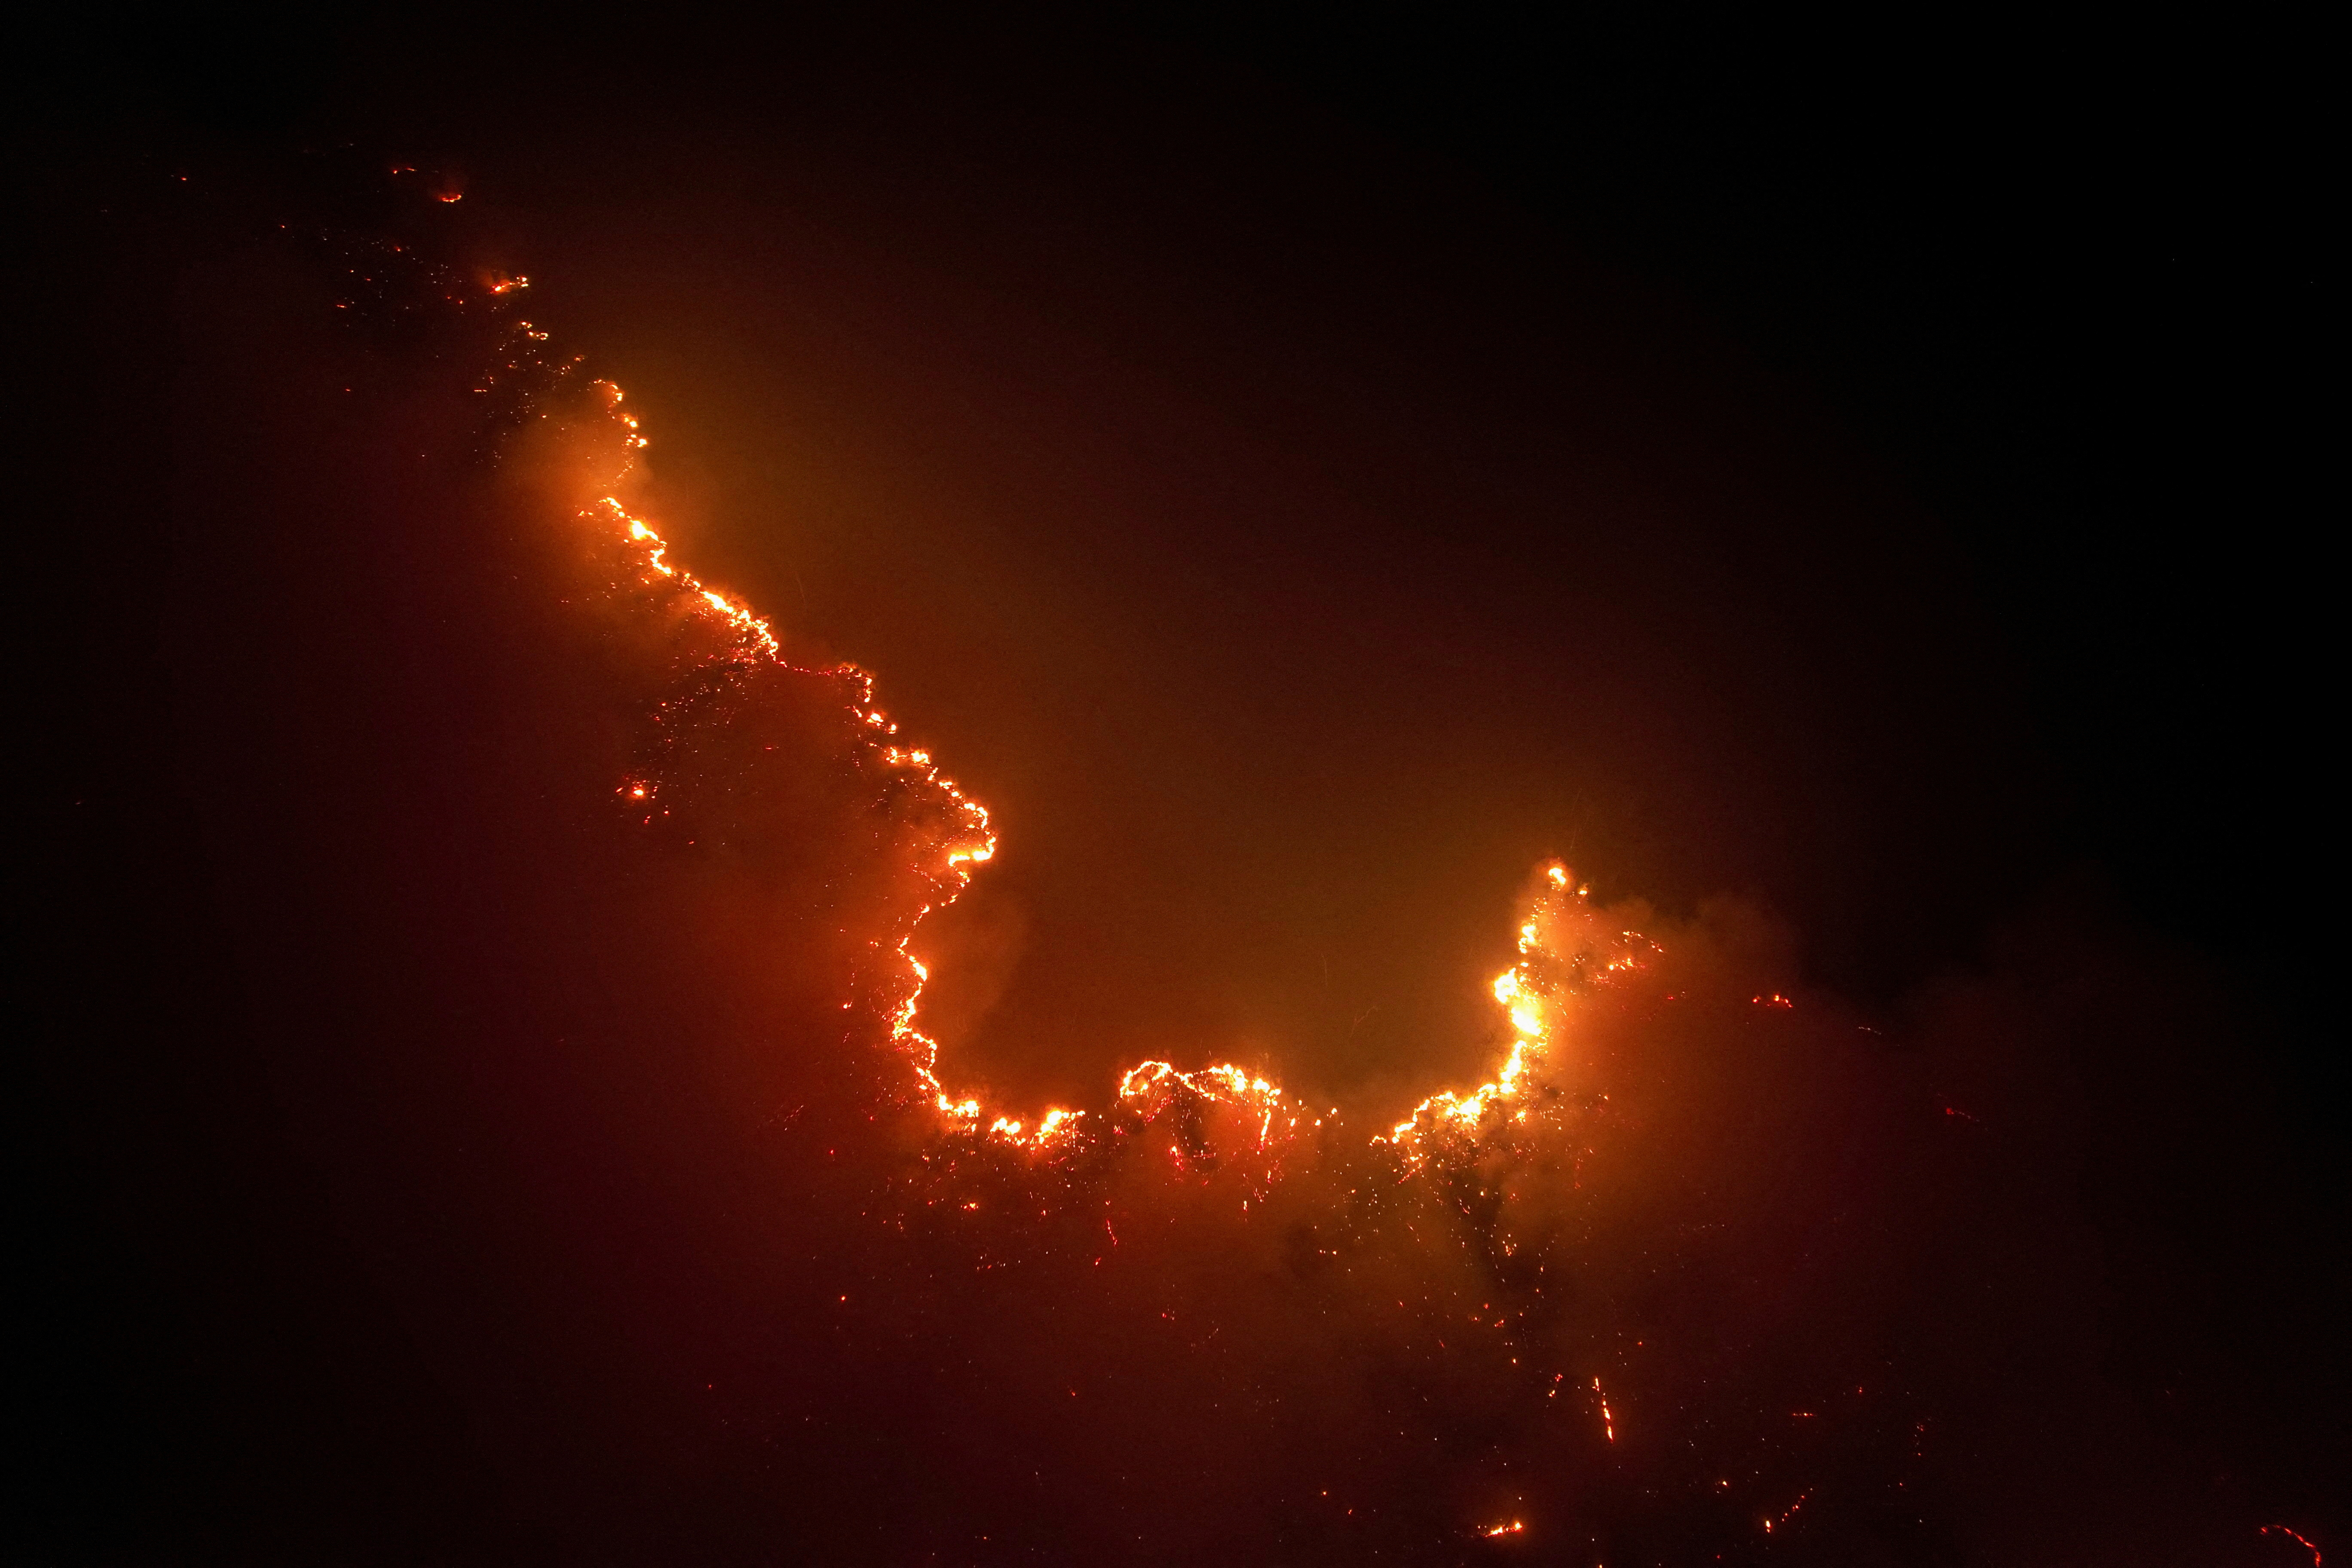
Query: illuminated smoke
1631	1288
1471	1216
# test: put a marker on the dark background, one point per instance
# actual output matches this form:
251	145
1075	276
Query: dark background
1298	475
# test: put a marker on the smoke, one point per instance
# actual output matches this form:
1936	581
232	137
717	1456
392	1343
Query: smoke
573	918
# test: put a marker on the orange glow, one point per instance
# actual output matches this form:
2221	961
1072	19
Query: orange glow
2298	1538
1562	950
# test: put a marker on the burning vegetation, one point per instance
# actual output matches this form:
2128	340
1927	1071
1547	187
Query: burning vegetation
1649	1292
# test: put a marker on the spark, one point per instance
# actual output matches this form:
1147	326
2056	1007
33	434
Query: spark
1790	1512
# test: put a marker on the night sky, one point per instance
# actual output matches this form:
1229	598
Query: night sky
1856	497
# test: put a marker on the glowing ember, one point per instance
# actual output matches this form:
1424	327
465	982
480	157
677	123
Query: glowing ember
2297	1538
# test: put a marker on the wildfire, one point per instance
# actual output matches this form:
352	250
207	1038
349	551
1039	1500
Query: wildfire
1534	993
1454	1156
1200	1117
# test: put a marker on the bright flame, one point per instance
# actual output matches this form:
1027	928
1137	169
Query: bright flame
1531	993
